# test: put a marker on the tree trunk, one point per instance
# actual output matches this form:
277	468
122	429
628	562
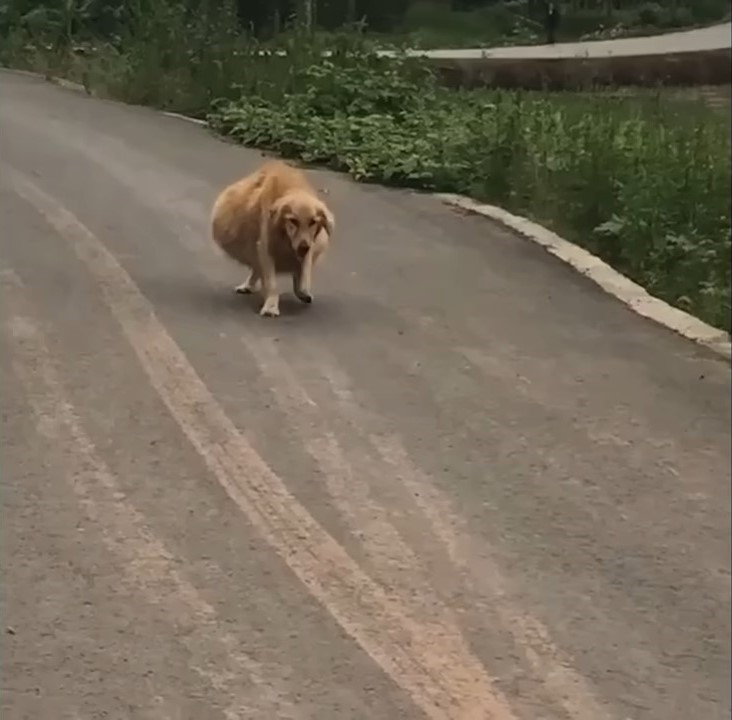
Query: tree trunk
350	11
306	11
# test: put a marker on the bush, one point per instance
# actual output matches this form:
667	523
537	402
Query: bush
650	14
434	24
644	184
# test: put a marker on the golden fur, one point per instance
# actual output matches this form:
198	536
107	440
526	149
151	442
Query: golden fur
273	222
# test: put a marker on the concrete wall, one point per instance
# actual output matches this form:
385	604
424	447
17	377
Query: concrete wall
699	67
685	58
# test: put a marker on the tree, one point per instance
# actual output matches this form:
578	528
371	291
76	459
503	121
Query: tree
306	14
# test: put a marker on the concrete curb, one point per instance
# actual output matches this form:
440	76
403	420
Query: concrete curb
610	280
195	121
68	84
671	69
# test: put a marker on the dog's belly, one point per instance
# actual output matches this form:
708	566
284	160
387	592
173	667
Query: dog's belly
287	265
285	260
246	254
241	251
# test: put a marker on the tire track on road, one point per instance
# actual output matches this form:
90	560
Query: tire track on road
480	571
443	681
348	475
147	566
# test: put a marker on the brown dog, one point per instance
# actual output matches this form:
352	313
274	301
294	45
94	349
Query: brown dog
273	222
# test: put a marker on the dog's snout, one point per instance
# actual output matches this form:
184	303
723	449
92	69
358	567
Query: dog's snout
302	249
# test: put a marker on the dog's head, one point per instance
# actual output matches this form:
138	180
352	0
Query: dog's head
301	218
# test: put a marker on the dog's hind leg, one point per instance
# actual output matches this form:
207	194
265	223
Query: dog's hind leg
251	284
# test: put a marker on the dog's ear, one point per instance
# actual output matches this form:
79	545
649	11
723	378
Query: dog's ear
326	219
277	213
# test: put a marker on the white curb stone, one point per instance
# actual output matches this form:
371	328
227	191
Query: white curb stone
610	280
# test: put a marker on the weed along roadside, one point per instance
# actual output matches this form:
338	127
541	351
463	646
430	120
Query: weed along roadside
641	181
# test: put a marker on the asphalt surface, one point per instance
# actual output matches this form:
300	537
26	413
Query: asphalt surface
462	484
715	37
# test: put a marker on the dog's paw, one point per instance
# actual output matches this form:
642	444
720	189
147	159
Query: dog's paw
304	296
244	289
270	309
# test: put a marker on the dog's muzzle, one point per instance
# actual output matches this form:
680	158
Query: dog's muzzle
302	250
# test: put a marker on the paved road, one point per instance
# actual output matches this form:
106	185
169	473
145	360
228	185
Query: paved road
716	37
464	484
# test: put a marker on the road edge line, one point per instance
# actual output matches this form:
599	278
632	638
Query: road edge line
633	295
51	80
187	118
614	283
77	87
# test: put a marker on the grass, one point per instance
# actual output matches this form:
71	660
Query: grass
643	181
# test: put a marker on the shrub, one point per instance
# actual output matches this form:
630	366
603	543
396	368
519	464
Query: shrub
650	14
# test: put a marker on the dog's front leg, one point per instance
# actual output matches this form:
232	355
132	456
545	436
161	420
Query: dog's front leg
271	306
302	279
250	284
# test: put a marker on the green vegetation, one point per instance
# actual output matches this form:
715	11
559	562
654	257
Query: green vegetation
641	180
644	184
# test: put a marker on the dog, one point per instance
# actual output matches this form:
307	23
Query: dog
273	222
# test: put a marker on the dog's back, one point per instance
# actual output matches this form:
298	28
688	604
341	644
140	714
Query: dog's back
278	178
237	212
